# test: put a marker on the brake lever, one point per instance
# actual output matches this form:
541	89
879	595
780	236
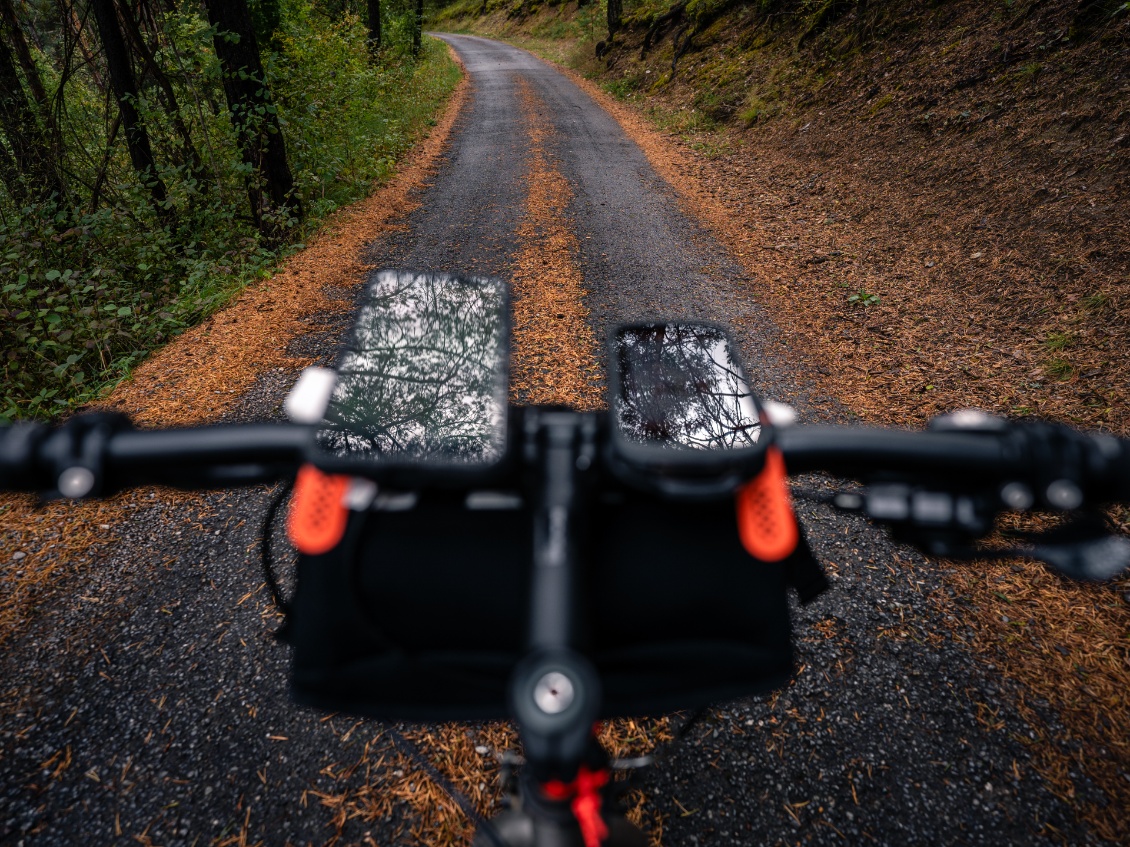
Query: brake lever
947	525
1083	549
1096	560
915	511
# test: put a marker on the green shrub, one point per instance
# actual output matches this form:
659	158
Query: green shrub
89	287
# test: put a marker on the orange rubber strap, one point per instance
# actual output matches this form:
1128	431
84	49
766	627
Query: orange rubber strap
317	514
766	522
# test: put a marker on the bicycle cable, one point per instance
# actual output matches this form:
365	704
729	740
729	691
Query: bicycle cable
408	749
266	556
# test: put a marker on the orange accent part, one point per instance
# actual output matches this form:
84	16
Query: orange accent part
317	514
585	791
766	522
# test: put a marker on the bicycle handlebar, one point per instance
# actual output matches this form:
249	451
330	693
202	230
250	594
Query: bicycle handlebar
100	454
97	454
1039	454
841	449
941	489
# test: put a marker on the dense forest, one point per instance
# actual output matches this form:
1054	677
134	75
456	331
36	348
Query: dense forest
157	154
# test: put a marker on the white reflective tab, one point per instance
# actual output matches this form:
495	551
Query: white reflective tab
1108	558
932	508
396	502
779	414
966	513
307	401
360	494
975	419
888	503
1064	494
489	500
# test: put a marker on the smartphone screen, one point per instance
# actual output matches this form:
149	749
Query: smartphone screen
423	377
680	386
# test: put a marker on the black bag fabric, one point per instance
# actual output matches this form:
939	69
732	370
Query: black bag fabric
422	614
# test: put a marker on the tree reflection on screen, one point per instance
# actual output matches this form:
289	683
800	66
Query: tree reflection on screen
424	374
680	386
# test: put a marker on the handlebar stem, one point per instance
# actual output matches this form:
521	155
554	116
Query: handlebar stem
552	614
555	691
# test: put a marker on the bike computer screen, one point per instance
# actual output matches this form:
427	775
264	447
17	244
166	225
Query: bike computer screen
680	396
423	377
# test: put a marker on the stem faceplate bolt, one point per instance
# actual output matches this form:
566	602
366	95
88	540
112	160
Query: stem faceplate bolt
553	693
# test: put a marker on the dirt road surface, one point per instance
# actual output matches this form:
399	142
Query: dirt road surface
147	703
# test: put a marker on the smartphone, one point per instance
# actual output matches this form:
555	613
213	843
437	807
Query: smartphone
422	379
680	399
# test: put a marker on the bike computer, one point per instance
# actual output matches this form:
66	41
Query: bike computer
423	378
680	403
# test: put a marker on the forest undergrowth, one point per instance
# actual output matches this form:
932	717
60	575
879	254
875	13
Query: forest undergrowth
149	175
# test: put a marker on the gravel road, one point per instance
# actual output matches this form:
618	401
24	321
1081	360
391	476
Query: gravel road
147	702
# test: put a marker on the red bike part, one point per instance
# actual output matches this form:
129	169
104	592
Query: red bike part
766	522
317	514
585	791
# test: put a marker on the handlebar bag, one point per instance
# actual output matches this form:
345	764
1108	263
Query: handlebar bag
421	613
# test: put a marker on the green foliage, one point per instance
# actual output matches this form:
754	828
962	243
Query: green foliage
703	10
1057	341
863	298
345	119
625	86
880	103
1059	369
266	15
1096	301
83	304
456	11
1026	73
821	14
683	121
763	100
756	109
90	285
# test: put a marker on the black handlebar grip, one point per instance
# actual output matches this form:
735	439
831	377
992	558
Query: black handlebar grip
855	450
1110	469
1120	472
19	470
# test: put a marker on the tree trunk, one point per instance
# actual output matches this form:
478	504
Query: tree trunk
418	31
13	123
104	167
374	7
15	35
78	28
125	90
29	171
615	11
10	174
11	30
142	50
270	187
147	19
